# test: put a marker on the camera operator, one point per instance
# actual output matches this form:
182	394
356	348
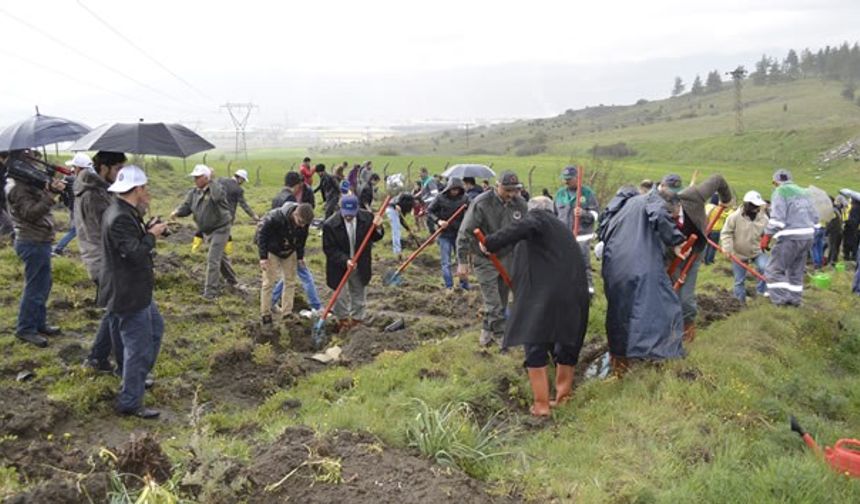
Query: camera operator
126	285
30	209
5	222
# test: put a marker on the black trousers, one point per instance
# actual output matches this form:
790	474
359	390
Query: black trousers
538	355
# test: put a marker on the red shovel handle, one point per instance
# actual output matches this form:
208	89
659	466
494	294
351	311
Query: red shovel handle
692	259
685	247
430	240
737	260
578	201
495	260
350	269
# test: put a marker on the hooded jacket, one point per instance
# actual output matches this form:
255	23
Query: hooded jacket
279	234
93	199
444	206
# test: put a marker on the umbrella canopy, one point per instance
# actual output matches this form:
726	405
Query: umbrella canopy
469	170
823	205
158	139
40	130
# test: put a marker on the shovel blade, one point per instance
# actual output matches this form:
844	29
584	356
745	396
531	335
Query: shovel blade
392	278
318	334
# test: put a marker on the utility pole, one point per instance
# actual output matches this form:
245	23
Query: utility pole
239	114
738	75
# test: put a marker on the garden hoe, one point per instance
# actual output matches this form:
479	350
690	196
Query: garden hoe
844	457
319	336
393	277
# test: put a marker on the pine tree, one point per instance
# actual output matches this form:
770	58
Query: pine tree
679	87
714	82
791	66
807	63
774	73
759	76
697	88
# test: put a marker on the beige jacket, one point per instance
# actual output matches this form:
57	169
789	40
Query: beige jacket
741	236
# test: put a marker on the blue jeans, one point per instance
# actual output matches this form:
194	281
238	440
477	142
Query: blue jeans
33	312
711	252
818	247
446	252
394	219
66	239
107	339
310	288
740	275
141	333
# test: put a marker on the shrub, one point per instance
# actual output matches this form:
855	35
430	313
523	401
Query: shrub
616	150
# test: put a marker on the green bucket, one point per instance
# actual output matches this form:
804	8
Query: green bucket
840	267
821	280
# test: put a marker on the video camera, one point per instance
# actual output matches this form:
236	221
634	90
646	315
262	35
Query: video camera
32	171
157	220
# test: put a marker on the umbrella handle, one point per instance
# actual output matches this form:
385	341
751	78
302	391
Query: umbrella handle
350	269
495	260
428	241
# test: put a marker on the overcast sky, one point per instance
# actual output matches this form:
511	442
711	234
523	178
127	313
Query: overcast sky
369	61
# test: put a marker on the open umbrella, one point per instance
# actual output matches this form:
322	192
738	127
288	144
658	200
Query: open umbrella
469	170
157	139
823	205
40	130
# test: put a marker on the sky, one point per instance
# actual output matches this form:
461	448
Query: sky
379	62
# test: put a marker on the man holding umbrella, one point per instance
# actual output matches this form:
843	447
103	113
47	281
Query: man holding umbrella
208	203
490	212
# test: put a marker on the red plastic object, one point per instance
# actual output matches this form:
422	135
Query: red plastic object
578	201
495	260
844	457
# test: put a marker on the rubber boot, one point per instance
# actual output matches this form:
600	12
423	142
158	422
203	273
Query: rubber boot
563	384
540	389
689	332
619	365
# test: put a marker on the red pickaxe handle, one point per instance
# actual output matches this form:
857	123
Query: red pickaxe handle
495	260
350	269
692	259
737	260
578	201
430	240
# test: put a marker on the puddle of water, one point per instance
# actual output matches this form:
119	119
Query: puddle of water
599	368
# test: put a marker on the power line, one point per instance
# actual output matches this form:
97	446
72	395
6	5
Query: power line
142	51
86	56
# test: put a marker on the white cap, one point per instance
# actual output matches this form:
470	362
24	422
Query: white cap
201	170
127	179
243	174
755	198
80	160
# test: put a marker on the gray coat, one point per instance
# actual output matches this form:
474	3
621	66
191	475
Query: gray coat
30	209
93	199
236	197
210	208
490	214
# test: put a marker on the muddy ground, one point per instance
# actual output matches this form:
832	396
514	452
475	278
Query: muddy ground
716	303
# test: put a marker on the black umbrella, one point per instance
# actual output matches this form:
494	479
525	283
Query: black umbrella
469	170
40	130
158	139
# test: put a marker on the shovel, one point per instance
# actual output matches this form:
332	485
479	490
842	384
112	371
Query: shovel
319	326
693	257
393	277
736	260
495	260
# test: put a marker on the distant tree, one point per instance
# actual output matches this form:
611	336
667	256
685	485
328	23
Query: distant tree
678	88
791	66
774	73
714	82
759	76
697	88
807	63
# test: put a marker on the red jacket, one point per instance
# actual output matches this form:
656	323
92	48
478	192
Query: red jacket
307	174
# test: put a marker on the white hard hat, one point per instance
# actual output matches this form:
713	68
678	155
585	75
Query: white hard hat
127	179
243	174
755	198
201	170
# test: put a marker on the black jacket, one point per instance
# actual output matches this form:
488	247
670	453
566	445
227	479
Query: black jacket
329	188
550	288
127	278
443	207
365	197
336	247
287	195
279	234
405	201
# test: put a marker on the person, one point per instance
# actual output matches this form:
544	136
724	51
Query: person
343	233
646	186
78	163
472	189
7	229
208	203
834	230
692	220
741	236
352	178
711	210
490	212
294	190
851	230
643	314
440	211
565	208
281	244
429	191
365	197
127	283
307	172
236	194
364	175
485	185
398	207
419	210
30	211
792	225
329	188
92	201
549	316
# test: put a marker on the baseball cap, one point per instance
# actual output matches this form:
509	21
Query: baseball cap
673	182
127	179
509	180
349	206
292	179
201	170
344	187
243	174
569	172
80	160
781	176
754	197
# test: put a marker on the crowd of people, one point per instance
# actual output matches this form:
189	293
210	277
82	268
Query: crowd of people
530	257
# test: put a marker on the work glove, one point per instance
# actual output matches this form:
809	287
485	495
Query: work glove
765	241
